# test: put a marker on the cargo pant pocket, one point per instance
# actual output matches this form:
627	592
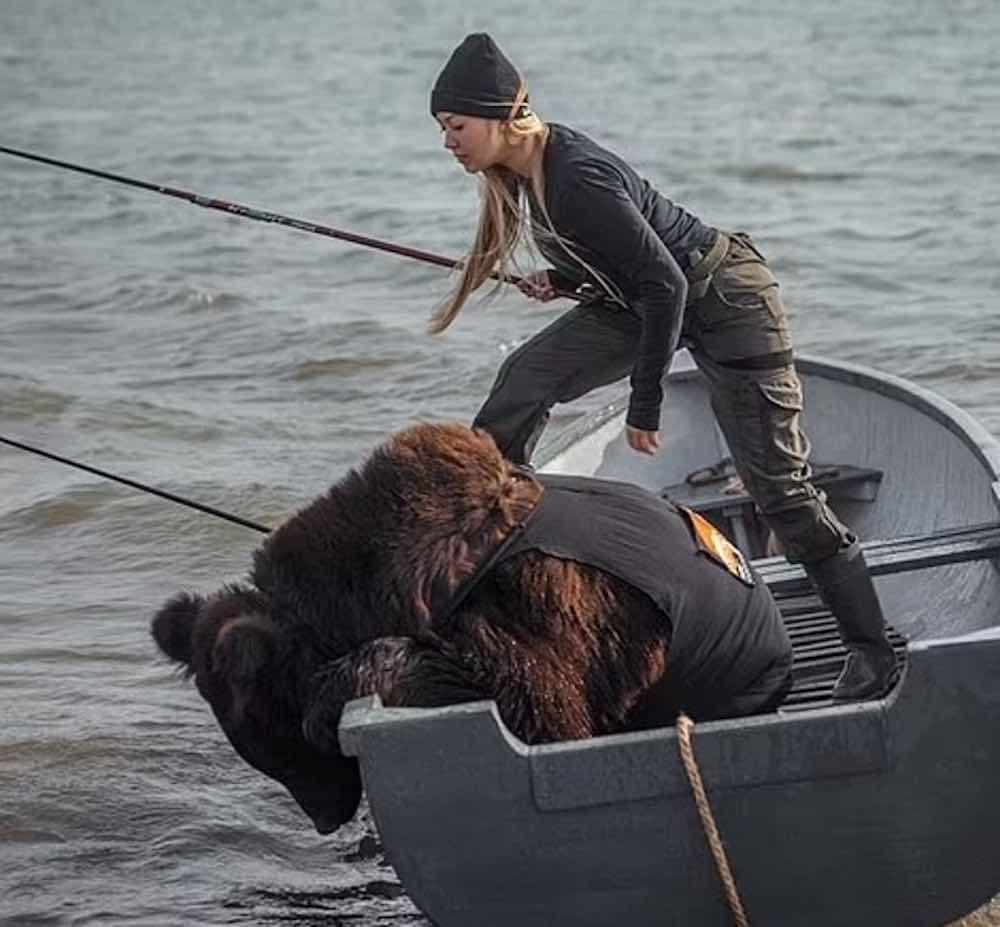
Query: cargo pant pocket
785	448
797	512
742	314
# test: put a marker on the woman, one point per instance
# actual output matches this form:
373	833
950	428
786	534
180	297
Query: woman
657	274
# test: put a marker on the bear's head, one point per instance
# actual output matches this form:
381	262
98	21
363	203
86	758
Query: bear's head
256	677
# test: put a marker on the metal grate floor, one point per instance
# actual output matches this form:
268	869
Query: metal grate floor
818	651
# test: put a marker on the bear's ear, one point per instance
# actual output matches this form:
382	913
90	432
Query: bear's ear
173	626
243	651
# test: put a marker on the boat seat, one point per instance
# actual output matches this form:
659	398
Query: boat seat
896	555
718	494
818	652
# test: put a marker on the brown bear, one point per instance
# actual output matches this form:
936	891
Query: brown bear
438	573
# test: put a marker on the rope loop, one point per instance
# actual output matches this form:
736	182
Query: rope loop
685	727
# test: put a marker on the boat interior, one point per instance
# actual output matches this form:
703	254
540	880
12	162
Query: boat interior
913	475
717	492
818	652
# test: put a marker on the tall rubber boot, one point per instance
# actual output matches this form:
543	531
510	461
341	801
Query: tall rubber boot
845	585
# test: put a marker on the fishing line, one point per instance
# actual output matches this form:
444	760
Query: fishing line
152	490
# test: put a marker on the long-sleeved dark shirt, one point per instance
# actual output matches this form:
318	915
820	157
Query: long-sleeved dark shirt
633	236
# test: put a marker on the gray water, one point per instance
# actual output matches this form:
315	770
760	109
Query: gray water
248	366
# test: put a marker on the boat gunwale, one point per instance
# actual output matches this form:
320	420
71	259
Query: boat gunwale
369	714
544	763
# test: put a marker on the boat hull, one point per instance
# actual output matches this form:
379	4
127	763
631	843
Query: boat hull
880	813
883	812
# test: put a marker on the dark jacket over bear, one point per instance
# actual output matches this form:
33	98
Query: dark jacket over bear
438	572
729	651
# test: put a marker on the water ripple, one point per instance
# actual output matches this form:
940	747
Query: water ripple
786	173
341	366
32	402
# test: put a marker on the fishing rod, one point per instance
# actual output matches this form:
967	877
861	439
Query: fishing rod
162	493
248	212
238	209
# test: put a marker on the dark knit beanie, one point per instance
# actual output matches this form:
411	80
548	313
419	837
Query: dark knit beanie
478	80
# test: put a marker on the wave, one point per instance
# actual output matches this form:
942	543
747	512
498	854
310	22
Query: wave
786	173
377	901
849	233
888	100
340	367
28	835
69	508
963	371
24	399
881	281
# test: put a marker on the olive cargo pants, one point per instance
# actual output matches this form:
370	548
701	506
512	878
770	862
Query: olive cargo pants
738	335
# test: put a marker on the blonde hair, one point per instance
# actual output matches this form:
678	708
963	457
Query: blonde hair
501	221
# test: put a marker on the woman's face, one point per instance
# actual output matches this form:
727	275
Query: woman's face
476	143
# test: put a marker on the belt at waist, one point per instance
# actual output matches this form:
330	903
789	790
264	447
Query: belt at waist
702	266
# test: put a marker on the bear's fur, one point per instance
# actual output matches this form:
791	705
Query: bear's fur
347	598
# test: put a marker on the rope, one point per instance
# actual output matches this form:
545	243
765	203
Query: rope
716	473
684	728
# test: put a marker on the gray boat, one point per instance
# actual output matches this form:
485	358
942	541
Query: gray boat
877	813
